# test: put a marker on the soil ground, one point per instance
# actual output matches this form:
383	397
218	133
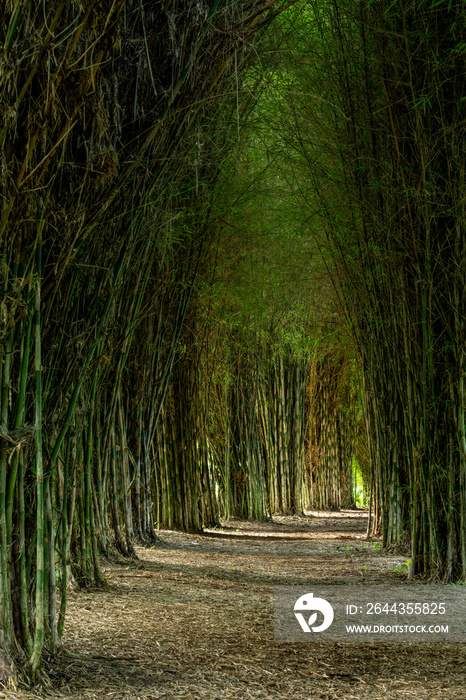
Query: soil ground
194	619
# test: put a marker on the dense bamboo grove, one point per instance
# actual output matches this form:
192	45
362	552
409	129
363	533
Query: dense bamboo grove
226	276
282	387
114	119
332	435
383	143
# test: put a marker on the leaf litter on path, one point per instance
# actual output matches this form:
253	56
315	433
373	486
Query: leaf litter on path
195	620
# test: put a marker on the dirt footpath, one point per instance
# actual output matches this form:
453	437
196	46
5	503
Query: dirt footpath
194	619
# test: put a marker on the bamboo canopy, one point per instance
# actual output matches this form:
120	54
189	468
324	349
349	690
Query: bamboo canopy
105	156
233	274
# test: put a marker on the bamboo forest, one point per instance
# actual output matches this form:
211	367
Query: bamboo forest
233	339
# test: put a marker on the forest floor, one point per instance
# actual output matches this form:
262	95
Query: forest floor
194	619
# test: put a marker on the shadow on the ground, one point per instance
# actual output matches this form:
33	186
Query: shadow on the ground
195	620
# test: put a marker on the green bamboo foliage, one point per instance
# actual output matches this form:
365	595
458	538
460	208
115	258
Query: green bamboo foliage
273	452
386	186
40	544
101	145
332	433
126	401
